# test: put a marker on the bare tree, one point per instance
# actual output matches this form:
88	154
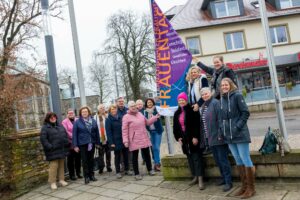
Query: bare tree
131	40
101	78
20	22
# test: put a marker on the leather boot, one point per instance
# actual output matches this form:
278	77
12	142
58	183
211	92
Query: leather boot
194	181
200	183
242	172
250	178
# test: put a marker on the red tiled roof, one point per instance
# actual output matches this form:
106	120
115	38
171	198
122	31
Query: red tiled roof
191	15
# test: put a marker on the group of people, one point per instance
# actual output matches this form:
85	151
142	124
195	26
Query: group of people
215	116
212	114
122	130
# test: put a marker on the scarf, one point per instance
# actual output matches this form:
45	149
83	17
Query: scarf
89	124
150	112
182	119
102	128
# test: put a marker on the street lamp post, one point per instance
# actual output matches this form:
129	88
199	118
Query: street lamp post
55	95
272	68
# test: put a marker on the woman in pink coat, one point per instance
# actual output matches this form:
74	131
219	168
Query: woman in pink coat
135	136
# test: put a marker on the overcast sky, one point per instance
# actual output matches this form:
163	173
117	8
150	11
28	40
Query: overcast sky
91	17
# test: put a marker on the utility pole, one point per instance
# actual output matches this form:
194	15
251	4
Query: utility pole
77	53
72	94
272	68
55	94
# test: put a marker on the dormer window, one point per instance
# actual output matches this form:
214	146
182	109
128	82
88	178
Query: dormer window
289	3
227	8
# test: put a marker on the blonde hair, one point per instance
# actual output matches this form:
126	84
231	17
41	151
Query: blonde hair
233	87
112	106
189	74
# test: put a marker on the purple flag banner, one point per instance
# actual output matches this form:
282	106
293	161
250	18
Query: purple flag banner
172	62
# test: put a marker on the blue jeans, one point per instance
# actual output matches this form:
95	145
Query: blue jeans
156	141
220	153
241	154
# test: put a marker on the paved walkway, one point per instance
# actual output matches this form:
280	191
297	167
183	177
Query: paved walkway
153	188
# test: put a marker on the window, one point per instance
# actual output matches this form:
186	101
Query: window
289	3
193	45
278	35
234	41
227	8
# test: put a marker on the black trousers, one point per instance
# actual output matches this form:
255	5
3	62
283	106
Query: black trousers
118	153
74	163
196	163
104	150
135	159
87	158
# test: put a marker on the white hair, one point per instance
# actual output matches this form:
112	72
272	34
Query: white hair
131	103
139	101
205	89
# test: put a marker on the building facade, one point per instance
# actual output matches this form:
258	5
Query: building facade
232	28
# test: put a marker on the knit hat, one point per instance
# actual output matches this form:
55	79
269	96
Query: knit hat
182	95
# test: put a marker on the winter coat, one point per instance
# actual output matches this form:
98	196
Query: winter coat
217	76
234	116
55	142
81	134
193	130
122	112
68	125
158	125
198	84
134	130
212	118
113	126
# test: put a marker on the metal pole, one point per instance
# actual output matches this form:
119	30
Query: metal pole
116	80
167	118
71	87
272	68
77	52
55	95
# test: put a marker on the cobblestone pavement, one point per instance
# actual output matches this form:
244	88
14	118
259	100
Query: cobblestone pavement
153	188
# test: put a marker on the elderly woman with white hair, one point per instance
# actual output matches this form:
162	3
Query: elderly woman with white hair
135	137
210	114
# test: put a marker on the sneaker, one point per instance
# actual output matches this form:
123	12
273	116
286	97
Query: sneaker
227	187
119	175
138	177
73	178
63	183
151	172
129	173
53	186
157	167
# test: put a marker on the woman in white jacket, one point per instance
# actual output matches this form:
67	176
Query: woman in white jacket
104	149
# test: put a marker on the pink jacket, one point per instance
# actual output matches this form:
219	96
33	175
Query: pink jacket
69	128
134	130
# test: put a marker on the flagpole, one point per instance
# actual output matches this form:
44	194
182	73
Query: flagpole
167	118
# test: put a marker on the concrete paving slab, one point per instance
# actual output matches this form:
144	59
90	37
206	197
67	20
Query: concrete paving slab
292	196
115	184
135	188
160	192
96	190
146	197
65	193
84	196
111	193
128	196
179	185
190	196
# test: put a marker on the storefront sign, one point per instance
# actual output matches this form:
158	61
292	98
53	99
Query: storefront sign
248	64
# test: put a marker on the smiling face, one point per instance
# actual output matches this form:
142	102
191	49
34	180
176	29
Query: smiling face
225	86
133	108
195	73
101	109
139	105
84	113
52	119
120	103
217	63
113	111
149	104
182	102
71	114
206	95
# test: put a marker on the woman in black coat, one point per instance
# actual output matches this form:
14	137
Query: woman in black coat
234	117
187	132
85	139
55	142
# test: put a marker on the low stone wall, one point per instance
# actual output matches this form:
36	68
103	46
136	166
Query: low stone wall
290	103
22	164
267	166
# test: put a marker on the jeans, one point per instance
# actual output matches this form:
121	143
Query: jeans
196	163
118	153
156	141
74	162
87	158
241	154
220	153
135	159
